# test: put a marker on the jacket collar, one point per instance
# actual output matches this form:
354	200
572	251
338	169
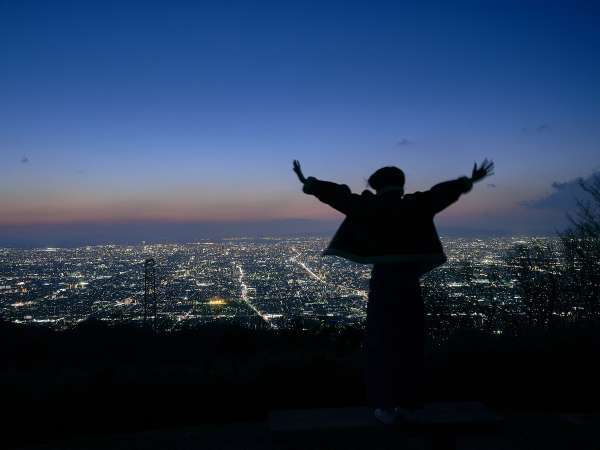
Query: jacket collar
390	189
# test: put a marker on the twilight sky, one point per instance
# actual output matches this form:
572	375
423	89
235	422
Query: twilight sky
175	114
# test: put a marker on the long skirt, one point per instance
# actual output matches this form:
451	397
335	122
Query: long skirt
395	338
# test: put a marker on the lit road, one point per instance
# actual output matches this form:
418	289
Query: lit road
246	299
305	267
295	259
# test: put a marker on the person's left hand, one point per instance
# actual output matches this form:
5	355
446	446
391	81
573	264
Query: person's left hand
298	170
484	170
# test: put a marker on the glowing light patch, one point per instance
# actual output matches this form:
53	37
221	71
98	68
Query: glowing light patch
216	301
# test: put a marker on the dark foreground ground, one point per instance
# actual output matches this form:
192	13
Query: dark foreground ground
211	388
517	431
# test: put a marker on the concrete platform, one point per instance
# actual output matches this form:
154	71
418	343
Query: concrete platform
459	414
437	426
517	431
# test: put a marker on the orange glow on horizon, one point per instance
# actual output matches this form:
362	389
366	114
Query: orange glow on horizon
188	207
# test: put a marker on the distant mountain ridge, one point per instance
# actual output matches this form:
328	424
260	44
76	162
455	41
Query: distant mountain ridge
78	234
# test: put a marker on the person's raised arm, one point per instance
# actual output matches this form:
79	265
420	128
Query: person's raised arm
338	196
444	194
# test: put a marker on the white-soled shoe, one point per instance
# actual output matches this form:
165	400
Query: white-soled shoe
386	416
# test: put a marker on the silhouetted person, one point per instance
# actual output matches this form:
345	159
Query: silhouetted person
396	233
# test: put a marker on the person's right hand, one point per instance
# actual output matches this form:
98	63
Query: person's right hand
298	170
484	170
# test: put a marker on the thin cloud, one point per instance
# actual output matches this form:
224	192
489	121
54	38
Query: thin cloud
541	128
564	195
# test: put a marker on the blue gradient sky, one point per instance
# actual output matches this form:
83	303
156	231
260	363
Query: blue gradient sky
177	111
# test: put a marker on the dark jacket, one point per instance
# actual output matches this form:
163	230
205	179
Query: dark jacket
388	227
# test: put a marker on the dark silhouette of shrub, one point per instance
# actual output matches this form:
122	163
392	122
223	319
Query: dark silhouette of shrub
560	283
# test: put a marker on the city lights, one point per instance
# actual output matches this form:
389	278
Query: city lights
269	282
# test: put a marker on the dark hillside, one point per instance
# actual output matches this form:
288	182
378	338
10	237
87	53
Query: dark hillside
98	379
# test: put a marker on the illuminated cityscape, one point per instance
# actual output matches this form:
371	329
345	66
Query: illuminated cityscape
268	282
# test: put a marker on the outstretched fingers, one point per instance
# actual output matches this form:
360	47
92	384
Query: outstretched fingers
485	169
298	170
489	167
